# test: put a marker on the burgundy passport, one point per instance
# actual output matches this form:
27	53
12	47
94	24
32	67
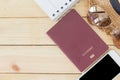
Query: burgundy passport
77	40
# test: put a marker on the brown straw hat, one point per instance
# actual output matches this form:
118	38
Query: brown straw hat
107	6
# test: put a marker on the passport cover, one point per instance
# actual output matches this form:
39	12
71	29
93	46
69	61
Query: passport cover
77	40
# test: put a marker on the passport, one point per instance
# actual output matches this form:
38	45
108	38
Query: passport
78	41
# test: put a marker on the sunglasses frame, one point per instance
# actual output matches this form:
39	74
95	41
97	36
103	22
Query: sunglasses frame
106	25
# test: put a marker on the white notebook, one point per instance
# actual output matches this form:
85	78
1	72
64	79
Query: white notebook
56	8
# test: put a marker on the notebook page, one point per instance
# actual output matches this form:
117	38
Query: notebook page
56	8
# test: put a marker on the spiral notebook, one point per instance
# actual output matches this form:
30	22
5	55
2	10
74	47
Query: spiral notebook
77	40
56	8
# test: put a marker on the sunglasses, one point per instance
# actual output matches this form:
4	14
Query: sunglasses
99	17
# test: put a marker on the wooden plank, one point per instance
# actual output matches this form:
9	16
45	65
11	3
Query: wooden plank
39	76
42	77
36	59
82	7
28	8
20	8
14	31
24	30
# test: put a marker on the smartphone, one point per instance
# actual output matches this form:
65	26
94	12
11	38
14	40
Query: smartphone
107	68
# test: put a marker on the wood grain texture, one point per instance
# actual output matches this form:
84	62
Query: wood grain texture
27	30
36	59
18	31
26	51
39	76
28	8
20	8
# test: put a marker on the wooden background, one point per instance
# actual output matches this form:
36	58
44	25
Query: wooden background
26	52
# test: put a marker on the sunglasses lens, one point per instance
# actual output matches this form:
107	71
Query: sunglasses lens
98	16
116	37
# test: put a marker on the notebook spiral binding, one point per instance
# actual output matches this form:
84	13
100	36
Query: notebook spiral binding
68	10
64	11
55	9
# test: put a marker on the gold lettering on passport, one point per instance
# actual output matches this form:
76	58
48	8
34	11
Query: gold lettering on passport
87	51
92	56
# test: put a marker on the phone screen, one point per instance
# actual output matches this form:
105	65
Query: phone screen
106	69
